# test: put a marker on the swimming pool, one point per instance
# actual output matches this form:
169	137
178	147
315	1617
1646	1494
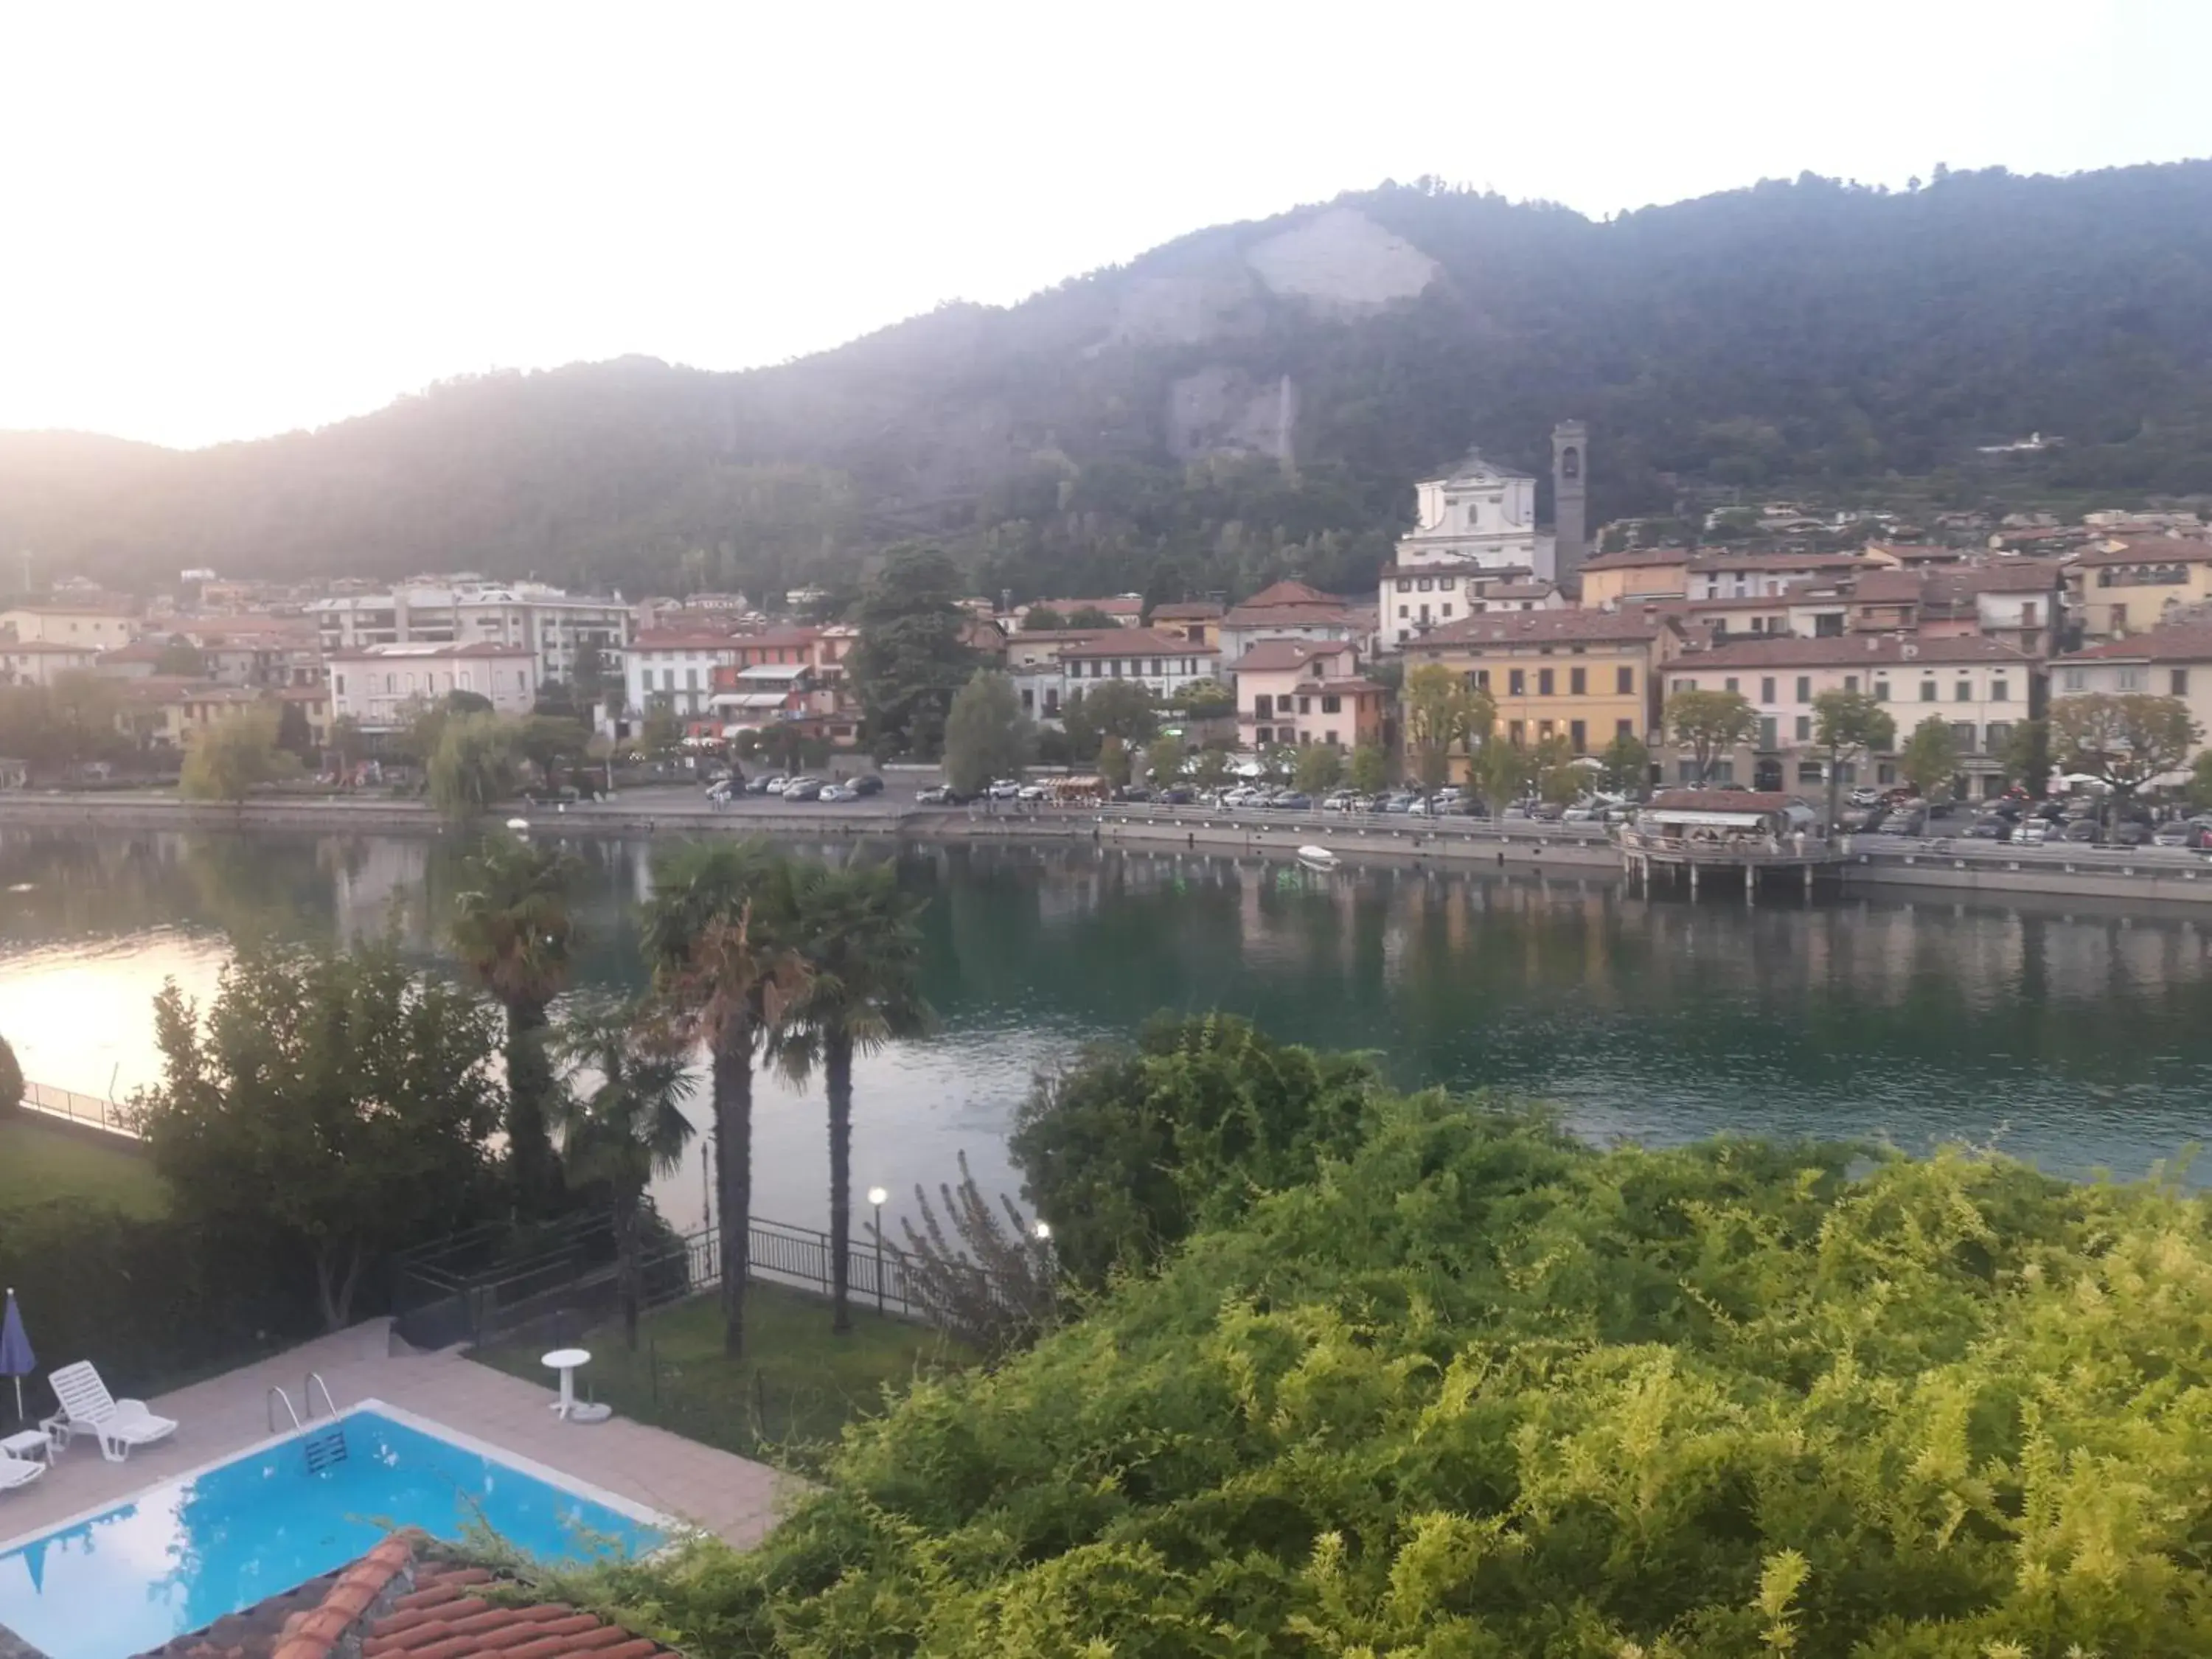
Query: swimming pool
184	1553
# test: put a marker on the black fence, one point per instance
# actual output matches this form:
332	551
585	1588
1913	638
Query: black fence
496	1281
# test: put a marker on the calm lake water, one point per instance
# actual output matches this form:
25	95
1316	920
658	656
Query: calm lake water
2074	1037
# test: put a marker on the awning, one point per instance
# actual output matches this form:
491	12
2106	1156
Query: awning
750	699
1709	820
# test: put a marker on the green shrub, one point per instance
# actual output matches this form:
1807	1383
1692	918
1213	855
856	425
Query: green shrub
11	1080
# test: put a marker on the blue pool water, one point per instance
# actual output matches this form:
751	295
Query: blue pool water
185	1554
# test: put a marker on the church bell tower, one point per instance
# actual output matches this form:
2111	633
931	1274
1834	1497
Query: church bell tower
1570	501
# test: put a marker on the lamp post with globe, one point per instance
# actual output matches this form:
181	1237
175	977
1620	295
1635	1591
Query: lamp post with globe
876	1197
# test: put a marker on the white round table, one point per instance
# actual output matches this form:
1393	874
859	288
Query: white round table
565	1360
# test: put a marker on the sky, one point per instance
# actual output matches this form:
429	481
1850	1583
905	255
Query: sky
222	221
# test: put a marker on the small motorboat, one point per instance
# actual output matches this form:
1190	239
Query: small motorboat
1318	858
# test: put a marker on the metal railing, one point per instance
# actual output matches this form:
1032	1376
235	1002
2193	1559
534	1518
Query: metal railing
1446	824
89	1110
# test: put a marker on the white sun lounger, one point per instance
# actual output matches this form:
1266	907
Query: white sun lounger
18	1472
88	1408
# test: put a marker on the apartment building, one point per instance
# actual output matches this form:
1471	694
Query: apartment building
1161	663
1307	691
1980	687
380	687
2172	661
101	626
1586	676
2129	585
38	662
550	623
1292	611
675	667
1612	579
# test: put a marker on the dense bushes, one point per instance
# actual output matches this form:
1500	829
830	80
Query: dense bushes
1479	1391
11	1080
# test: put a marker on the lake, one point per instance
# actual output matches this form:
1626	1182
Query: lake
2074	1036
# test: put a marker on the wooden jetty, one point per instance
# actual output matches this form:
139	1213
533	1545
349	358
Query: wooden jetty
1686	835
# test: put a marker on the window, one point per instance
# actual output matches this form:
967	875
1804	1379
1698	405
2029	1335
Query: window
1577	681
1999	734
1685	685
1624	728
2132	679
2000	689
2030	615
2119	624
1156	666
1808	772
1405	585
1624	681
1117	668
1578	736
1730	683
1723	771
1766	688
1447	611
1264	735
1851	684
1305	705
1543	681
1804	688
1962	733
1544	730
1482	680
1516	682
1331	705
2177	681
668	679
1884	772
1263	708
1402	613
1927	690
1446	584
1766	732
1424	583
1516	733
1804	728
338	681
1330	738
690	679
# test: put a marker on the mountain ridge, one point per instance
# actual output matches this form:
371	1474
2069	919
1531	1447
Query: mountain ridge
1256	398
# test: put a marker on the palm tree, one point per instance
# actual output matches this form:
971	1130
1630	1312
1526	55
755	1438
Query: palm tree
512	926
857	933
624	1127
716	935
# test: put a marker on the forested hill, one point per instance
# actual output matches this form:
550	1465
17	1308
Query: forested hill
1256	398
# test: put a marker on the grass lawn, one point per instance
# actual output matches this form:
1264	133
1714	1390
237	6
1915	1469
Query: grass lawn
797	1387
37	1162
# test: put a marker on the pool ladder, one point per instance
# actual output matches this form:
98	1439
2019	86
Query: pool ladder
322	1451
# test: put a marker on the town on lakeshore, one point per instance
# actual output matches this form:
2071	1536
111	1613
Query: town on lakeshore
2007	679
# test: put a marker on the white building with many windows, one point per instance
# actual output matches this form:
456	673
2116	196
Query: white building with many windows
1161	663
552	624
1980	688
675	667
380	687
1476	524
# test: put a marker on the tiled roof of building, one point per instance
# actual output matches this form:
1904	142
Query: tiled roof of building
50	647
1772	561
778	637
1289	592
1292	616
430	650
1187	610
1639	558
1274	655
681	639
389	1605
1135	642
1877	648
2181	641
1119	605
1544	628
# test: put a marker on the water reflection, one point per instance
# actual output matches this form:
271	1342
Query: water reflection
2070	1034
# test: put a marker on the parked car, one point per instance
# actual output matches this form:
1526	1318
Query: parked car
1901	822
1396	803
833	792
1137	791
1178	794
1005	789
771	785
2130	833
936	794
803	789
867	784
1031	791
2083	831
2031	832
1992	826
1291	801
2182	832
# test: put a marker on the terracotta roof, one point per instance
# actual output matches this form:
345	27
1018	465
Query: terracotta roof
1634	558
1187	610
2149	549
1543	628
1515	590
1290	616
389	1605
681	639
136	651
2181	641
778	637
1274	655
1064	636
1134	643
426	651
1117	606
1878	648
1752	561
1290	592
51	647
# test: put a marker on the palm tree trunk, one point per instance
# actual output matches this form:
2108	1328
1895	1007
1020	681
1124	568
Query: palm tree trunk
632	1281
529	1085
837	1072
733	1160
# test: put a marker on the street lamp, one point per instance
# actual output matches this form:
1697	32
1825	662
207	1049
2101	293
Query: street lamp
876	1196
1044	1232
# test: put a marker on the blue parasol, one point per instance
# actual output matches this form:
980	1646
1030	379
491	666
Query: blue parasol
16	1359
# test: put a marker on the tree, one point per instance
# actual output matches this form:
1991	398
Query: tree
1205	700
1089	616
595	684
473	765
235	756
293	735
1627	764
1931	757
2027	757
858	937
987	736
1846	724
1321	768
2122	740
1559	779
1709	724
11	1080
180	658
82	706
2200	779
1504	772
1370	769
513	928
1212	769
346	742
1038	618
660	734
912	656
1163	760
718	939
1114	761
332	1106
621	1121
1123	709
1443	710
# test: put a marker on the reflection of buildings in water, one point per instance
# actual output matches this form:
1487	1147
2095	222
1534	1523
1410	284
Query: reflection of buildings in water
373	875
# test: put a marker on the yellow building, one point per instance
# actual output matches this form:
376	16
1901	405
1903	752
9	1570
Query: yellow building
1585	676
1659	573
2130	585
97	627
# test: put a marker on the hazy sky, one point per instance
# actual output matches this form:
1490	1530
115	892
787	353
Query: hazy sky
220	221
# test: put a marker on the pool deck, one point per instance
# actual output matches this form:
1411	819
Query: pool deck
734	1497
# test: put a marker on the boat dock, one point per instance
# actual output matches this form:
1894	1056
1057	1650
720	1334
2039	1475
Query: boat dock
1692	836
